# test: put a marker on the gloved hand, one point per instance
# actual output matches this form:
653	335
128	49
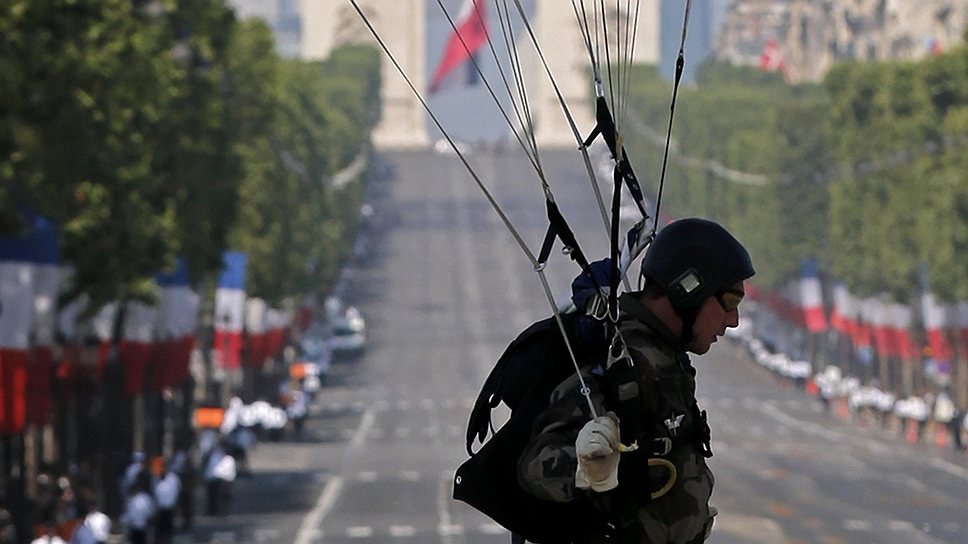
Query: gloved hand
598	454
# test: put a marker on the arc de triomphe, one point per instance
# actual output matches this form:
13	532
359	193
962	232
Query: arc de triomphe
402	24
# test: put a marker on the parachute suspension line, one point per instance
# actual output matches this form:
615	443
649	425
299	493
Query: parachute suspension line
519	98
527	121
582	16
544	62
631	32
484	79
608	56
680	62
559	229
487	194
585	390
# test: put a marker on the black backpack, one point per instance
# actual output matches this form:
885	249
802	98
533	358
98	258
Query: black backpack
523	378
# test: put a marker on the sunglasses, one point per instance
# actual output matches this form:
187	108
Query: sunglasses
730	299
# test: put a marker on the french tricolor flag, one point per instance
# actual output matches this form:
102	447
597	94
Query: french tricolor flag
256	336
177	319
936	322
469	37
277	324
811	297
843	315
901	318
877	314
45	248
962	309
230	310
16	311
137	335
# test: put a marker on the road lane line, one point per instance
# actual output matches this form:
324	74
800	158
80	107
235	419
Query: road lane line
359	532
950	468
805	426
309	529
402	530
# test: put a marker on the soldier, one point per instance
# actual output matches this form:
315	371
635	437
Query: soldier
693	272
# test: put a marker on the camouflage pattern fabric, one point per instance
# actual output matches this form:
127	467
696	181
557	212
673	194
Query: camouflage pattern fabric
547	467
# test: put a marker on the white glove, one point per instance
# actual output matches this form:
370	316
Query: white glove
598	454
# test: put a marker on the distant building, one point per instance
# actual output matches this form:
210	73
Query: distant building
704	20
806	37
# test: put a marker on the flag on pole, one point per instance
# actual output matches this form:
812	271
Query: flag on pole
936	322
175	328
255	331
877	315
16	311
771	59
137	334
45	256
962	309
843	315
901	318
470	35
277	323
811	297
230	310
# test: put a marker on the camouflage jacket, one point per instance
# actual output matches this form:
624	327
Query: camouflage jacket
547	467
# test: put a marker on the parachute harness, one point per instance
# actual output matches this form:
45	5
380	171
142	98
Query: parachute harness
606	307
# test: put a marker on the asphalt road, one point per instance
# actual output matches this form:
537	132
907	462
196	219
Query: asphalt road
444	288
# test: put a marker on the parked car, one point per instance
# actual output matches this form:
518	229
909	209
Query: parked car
348	333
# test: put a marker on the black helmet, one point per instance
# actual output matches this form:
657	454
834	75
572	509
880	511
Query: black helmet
692	259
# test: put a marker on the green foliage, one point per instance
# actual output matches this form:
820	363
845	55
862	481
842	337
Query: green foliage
317	121
749	122
149	134
866	172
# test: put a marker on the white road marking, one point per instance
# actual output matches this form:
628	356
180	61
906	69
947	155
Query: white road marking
857	525
359	532
410	476
366	476
950	468
900	526
309	528
402	530
427	404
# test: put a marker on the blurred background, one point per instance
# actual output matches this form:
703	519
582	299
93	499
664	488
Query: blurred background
250	286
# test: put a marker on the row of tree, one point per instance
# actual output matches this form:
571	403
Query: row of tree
867	172
150	131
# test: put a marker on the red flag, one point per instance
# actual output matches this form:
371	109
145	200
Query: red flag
16	309
771	59
470	36
255	331
135	345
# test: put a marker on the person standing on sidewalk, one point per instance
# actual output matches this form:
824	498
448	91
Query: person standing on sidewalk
139	510
167	489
